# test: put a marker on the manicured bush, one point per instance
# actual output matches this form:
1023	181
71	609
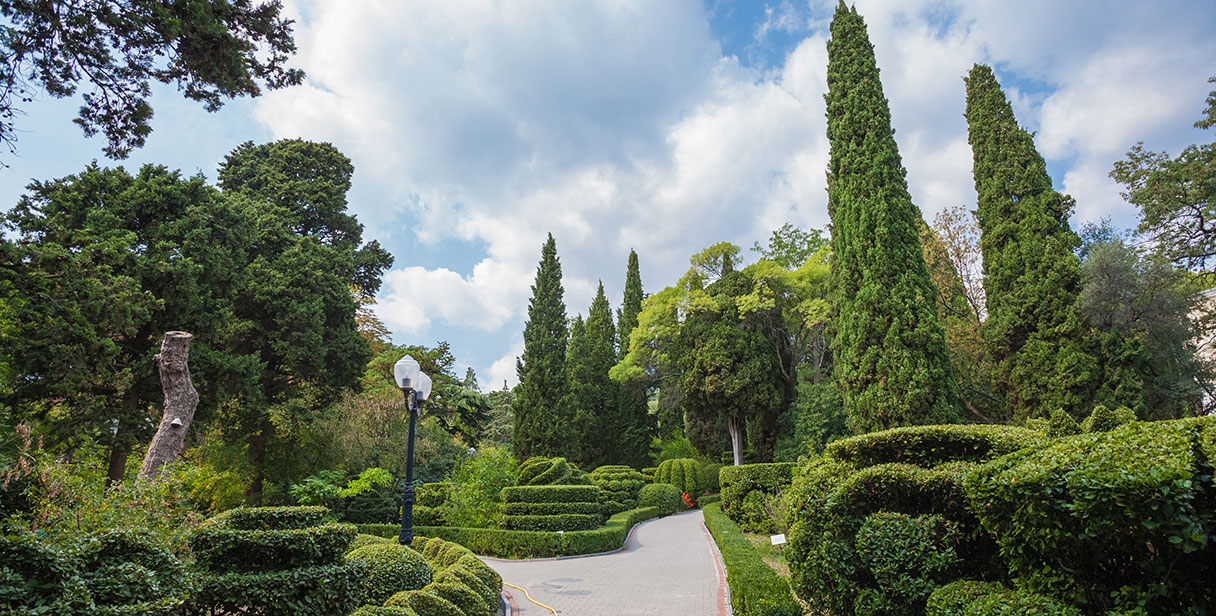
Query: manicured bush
391	568
291	567
551	494
540	471
488	597
664	497
953	598
126	573
648	473
1061	424
424	603
755	589
380	610
362	540
737	482
529	544
971	598
1103	419
551	508
619	486
709	477
909	557
552	523
683	473
932	445
36	578
463	597
482	571
1119	520
569	506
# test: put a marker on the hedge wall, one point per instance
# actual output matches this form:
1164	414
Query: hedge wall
737	482
755	589
933	445
530	544
971	598
538	471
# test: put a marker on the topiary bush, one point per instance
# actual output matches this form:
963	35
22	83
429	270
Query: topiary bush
1103	419
648	473
619	486
709	478
738	483
666	498
1109	521
362	540
127	573
391	568
424	603
275	561
539	471
683	473
38	579
869	519
551	508
972	598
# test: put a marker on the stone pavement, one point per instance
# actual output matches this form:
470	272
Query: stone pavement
670	567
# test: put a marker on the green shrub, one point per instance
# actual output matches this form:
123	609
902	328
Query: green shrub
530	544
539	471
430	516
737	482
953	598
391	568
755	589
1102	419
36	578
664	497
477	484
709	478
370	500
909	557
225	548
1061	424
971	598
552	523
760	513
378	610
488	597
564	499
463	597
551	508
619	486
648	473
125	572
932	445
482	571
362	540
325	590
268	518
1116	520
424	603
433	494
551	494
683	473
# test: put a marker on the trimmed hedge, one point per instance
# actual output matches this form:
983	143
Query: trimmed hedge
380	610
648	473
331	590
933	445
363	539
550	508
223	548
1103	419
391	568
552	523
539	471
569	501
36	578
755	589
683	473
619	486
531	544
710	477
551	494
665	498
126	573
424	603
268	518
971	598
1119	520
909	557
737	482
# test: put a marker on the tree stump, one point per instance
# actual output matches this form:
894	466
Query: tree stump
181	400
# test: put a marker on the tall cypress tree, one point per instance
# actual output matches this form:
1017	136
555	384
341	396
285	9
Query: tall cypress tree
542	404
891	363
596	396
1031	275
633	415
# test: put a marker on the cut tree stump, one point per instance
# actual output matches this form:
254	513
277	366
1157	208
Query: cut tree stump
181	400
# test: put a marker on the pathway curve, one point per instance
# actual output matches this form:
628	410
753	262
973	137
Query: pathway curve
669	567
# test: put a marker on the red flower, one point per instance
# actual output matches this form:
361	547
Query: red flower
688	500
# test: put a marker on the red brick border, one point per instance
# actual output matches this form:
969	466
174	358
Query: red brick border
723	604
513	610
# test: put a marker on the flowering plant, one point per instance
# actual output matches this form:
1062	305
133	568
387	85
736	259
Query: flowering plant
688	500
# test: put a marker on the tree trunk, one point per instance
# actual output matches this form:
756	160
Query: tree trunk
181	400
734	427
117	466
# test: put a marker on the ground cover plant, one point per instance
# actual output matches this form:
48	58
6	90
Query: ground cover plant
755	589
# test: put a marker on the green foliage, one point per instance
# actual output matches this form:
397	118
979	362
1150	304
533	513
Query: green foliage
1103	419
37	578
619	486
592	353
322	590
971	598
366	482
953	598
229	549
761	513
434	494
816	419
542	407
1062	424
540	471
889	353
755	589
932	445
552	522
551	508
126	573
422	603
740	483
1114	520
391	568
663	497
476	487
269	518
908	556
710	477
210	52
634	424
362	540
671	446
684	474
320	489
1031	276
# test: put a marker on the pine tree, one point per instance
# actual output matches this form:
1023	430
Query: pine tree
633	416
891	363
542	404
1031	275
596	397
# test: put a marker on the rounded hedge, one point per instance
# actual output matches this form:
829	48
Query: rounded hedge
126	572
619	485
268	518
463	597
362	540
391	568
35	575
424	603
933	445
538	471
664	497
683	473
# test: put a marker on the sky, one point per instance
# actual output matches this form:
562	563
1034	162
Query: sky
478	127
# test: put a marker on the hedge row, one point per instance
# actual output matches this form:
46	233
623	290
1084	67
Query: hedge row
268	518
619	486
551	494
552	523
530	544
513	509
755	589
329	590
971	598
738	481
573	507
933	445
222	548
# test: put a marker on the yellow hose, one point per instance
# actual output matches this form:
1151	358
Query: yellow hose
530	597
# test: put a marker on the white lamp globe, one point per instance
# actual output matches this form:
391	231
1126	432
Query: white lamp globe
423	390
406	372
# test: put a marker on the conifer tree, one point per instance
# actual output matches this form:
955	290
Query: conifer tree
596	397
1031	275
633	416
542	405
891	364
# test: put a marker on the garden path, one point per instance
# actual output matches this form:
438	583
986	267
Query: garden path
669	566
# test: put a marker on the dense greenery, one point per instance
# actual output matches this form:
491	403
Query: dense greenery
755	589
890	357
596	398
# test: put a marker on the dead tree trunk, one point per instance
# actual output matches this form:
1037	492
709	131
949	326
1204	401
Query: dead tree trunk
181	399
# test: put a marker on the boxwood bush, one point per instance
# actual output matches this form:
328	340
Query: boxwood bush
36	578
391	568
738	482
539	471
1120	520
933	445
552	523
127	573
683	473
972	598
710	477
664	497
424	603
551	508
755	589
619	486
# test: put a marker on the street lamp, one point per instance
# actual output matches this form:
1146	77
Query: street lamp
416	387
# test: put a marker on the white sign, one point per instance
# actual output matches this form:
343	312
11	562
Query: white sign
777	539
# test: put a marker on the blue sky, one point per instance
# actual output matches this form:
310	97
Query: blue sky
476	127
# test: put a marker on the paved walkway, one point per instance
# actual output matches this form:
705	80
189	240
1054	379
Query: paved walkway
670	567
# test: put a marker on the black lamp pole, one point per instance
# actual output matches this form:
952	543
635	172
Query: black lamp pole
407	493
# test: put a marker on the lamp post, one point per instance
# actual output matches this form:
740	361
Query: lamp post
416	387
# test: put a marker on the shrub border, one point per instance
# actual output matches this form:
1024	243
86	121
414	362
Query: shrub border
755	589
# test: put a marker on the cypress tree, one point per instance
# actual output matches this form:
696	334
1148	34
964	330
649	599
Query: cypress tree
1031	274
633	416
542	405
891	363
596	397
